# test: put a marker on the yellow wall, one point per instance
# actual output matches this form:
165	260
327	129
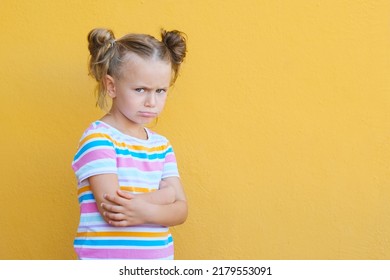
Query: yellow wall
280	122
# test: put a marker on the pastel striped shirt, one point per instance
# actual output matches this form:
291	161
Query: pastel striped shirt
140	166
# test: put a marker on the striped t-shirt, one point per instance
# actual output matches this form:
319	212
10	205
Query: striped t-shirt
140	166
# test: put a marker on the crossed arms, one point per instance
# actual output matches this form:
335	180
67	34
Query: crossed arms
166	206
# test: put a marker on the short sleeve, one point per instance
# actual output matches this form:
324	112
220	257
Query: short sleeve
96	155
170	165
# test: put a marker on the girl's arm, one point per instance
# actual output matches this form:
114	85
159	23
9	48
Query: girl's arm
101	184
126	209
108	184
164	195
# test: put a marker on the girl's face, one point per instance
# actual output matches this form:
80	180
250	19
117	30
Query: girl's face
140	91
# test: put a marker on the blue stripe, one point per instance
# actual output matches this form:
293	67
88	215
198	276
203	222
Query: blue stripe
97	242
92	144
87	196
143	155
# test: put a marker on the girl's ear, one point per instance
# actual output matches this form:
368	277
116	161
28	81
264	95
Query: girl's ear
110	86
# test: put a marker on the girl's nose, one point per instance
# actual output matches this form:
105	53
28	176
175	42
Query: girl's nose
150	100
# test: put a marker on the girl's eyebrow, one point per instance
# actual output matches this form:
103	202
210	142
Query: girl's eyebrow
139	86
149	88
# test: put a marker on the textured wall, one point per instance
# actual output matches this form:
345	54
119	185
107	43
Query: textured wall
280	122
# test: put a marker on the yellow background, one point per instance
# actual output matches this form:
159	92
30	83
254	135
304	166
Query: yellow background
280	122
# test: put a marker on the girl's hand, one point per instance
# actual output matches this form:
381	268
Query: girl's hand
126	209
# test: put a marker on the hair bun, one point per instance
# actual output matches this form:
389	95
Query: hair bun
175	41
99	38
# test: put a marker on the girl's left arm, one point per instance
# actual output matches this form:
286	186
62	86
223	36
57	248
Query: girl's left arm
127	208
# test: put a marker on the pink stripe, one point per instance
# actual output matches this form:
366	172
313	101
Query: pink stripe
94	155
170	158
139	164
90	207
125	253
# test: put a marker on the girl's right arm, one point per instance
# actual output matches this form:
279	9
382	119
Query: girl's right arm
101	184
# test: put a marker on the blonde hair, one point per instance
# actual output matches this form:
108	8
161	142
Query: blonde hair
108	54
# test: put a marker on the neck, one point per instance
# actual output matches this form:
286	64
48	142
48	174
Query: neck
128	128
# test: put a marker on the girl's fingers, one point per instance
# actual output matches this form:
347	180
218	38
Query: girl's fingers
111	208
113	216
125	195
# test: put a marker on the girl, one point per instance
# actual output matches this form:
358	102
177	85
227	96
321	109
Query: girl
128	182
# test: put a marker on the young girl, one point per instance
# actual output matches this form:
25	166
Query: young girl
128	182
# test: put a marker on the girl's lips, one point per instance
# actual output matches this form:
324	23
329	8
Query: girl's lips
148	114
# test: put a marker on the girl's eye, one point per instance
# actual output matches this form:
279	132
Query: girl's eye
140	90
161	91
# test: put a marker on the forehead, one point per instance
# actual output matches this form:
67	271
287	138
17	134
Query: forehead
146	70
